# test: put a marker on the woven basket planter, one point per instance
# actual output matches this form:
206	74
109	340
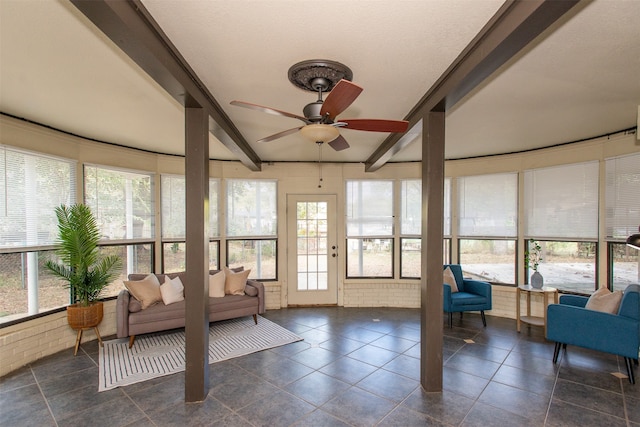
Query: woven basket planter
80	317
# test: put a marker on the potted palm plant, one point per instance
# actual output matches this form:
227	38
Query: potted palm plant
81	266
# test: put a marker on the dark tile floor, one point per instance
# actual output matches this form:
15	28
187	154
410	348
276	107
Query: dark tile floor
355	367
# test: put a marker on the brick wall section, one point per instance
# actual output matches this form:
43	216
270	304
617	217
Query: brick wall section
382	295
26	342
272	296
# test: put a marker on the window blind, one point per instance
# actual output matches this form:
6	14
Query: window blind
622	196
173	203
369	208
411	207
31	187
251	208
562	202
488	205
122	201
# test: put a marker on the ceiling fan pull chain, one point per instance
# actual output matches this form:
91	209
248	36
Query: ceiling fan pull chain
319	163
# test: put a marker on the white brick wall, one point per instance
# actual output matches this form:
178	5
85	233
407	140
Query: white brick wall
382	295
272	296
26	342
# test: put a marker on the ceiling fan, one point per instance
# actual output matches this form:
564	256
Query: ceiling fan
320	117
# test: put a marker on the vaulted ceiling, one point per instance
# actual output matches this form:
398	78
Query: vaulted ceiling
579	78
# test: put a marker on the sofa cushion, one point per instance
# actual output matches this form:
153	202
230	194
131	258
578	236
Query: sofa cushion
216	285
147	290
172	290
251	291
134	305
235	282
449	279
604	300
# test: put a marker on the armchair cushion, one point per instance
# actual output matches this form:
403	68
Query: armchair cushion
604	300
449	279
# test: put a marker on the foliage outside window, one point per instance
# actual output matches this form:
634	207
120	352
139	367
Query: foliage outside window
174	256
255	254
369	211
411	257
491	260
623	264
122	201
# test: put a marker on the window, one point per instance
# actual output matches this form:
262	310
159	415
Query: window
369	210
622	218
252	219
561	212
411	226
123	202
31	187
487	224
173	202
622	200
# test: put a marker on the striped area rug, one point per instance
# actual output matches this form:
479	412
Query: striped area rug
155	355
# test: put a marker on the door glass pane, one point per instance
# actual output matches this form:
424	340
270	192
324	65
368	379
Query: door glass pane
312	245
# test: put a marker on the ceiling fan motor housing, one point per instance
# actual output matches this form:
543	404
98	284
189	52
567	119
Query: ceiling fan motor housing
312	111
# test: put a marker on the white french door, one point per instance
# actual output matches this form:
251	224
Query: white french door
312	250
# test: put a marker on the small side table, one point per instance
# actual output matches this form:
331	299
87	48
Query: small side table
529	319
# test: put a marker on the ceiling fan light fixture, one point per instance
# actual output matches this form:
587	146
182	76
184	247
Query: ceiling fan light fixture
320	133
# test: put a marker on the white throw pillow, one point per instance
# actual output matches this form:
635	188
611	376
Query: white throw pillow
172	290
449	279
216	285
605	300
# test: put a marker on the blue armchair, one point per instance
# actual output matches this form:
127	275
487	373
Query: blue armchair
570	323
472	295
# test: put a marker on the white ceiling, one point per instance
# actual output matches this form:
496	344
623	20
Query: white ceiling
580	79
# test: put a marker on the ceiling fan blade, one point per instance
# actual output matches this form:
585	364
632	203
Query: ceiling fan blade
269	110
376	125
339	143
340	97
280	134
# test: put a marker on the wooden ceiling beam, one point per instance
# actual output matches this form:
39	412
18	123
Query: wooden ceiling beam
130	26
514	26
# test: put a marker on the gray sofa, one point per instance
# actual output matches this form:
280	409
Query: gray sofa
132	320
